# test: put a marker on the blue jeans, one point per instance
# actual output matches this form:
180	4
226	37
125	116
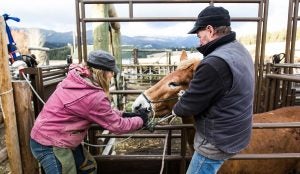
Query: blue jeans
46	157
202	165
48	160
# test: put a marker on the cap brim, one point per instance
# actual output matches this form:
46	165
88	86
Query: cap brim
194	30
116	70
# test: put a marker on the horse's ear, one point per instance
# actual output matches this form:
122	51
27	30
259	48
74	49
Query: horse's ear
183	55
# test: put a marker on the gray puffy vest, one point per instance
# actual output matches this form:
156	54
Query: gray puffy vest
228	123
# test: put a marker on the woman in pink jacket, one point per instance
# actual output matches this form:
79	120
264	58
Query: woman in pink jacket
80	100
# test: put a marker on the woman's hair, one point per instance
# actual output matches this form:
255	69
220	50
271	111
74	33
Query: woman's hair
99	78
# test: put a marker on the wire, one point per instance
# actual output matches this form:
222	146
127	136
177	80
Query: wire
37	95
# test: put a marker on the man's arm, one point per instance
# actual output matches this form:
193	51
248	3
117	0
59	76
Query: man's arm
211	80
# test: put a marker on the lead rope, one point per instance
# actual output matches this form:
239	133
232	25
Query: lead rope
164	154
34	91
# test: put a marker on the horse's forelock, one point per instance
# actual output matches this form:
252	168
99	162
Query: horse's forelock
188	63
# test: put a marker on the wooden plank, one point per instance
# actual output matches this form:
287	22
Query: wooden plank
25	121
287	77
54	72
1	117
272	95
266	92
289	94
3	155
277	98
51	67
7	102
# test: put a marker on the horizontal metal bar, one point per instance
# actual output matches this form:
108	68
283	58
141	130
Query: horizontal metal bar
255	126
147	65
276	125
165	1
138	136
177	157
144	75
266	156
162	19
126	91
137	157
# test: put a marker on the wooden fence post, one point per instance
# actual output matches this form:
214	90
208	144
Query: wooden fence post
25	120
7	103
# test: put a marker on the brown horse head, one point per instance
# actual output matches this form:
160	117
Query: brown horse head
161	97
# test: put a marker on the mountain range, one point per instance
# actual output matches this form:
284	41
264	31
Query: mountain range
55	39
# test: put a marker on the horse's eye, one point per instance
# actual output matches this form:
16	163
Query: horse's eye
173	84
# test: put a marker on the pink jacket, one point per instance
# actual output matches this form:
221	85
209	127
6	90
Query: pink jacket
72	108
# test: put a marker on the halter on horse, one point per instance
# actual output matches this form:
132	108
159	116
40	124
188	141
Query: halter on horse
161	97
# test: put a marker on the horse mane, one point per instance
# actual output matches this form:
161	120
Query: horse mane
188	63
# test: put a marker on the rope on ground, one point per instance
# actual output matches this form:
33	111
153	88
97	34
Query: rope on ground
164	154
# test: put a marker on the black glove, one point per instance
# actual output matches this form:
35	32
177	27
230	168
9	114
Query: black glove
129	114
143	113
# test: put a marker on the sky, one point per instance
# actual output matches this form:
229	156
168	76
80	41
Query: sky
59	15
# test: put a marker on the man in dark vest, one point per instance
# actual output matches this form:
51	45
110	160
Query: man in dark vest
220	95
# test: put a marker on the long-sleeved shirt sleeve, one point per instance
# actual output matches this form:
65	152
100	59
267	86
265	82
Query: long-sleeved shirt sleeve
211	81
111	119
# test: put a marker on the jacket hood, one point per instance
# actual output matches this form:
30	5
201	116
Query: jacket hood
74	80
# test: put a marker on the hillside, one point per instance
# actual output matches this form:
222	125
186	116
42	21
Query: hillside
55	39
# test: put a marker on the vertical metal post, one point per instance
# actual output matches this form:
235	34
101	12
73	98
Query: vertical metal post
83	26
183	150
294	31
78	19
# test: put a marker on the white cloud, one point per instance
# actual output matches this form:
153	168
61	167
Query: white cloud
146	29
48	14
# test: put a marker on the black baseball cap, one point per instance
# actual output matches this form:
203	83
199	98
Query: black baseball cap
211	15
